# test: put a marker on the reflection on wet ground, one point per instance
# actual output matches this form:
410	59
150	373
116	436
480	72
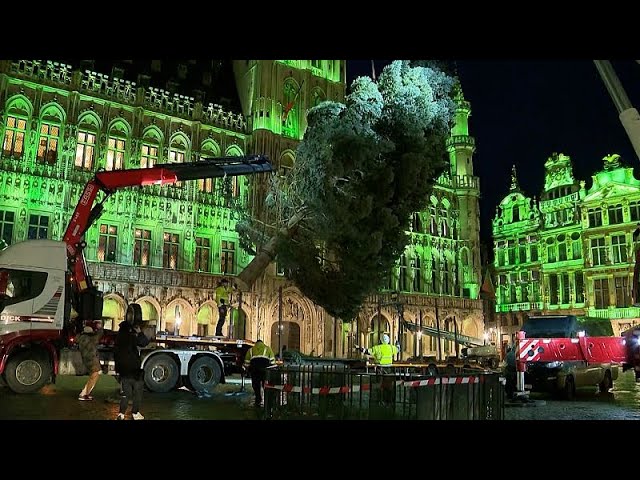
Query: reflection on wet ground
59	402
621	403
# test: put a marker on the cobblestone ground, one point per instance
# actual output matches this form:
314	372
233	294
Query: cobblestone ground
60	402
622	403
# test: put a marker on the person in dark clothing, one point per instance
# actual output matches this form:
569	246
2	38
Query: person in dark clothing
127	360
256	361
222	316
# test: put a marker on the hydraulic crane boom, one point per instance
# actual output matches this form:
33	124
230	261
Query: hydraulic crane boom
629	116
85	213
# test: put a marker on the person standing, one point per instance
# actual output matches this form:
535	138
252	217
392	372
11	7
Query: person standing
382	353
128	366
222	316
383	356
88	342
256	361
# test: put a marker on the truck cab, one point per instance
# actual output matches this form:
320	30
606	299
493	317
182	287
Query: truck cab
561	377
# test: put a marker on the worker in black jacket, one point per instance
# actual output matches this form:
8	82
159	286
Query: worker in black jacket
128	366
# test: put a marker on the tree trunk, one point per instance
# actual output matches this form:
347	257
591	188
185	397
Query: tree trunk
266	255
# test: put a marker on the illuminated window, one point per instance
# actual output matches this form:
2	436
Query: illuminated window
579	283
576	245
227	257
417	275
85	150
38	227
634	210
170	250
14	137
623	292
534	253
553	289
402	279
522	253
176	156
619	247
203	254
601	291
107	243
115	154
562	251
565	289
615	214
142	247
6	227
209	150
148	156
595	218
598	251
48	146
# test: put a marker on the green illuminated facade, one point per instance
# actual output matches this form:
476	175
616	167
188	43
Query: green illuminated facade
570	252
166	248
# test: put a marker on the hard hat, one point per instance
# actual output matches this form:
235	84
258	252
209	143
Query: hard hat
385	338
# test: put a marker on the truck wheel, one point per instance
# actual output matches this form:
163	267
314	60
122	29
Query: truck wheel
161	373
606	383
204	374
134	314
569	392
27	372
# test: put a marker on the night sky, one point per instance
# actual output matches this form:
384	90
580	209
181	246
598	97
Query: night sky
523	111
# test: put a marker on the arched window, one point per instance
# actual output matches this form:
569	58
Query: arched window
209	149
151	145
379	325
51	121
18	113
290	113
117	145
317	97
236	182
286	165
88	130
177	152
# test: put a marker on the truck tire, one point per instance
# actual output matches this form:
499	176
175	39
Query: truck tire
569	391
161	373
27	371
134	314
606	383
204	374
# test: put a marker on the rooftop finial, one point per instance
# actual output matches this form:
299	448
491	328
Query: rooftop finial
514	180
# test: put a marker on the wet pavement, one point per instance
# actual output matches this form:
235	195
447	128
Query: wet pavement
621	403
60	402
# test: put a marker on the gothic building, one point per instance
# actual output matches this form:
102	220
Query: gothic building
166	248
570	252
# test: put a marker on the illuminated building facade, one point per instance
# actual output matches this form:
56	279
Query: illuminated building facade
166	248
570	252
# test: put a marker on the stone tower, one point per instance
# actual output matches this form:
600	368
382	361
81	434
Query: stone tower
461	147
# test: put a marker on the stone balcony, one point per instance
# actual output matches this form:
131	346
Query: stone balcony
152	276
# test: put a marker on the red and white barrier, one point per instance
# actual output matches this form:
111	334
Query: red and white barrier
365	387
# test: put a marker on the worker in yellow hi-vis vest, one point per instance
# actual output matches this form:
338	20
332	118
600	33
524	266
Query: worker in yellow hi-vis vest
383	354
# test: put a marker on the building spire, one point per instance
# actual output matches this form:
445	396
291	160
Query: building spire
514	180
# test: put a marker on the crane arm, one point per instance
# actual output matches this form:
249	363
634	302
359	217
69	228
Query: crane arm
628	115
85	213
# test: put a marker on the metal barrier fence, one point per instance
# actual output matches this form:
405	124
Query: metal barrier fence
337	392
